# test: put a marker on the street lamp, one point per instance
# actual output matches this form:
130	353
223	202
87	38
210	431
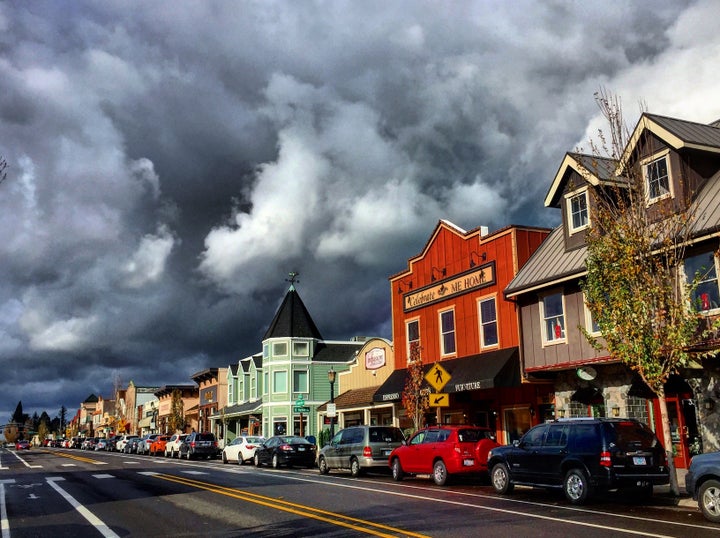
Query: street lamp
331	379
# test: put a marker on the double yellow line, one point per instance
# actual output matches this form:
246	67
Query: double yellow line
74	457
360	525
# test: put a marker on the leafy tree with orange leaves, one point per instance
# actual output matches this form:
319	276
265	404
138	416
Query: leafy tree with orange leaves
415	397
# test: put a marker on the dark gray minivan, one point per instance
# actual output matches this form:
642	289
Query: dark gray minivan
359	448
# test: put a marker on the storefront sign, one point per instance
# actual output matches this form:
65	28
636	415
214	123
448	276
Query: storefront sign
375	358
391	396
479	277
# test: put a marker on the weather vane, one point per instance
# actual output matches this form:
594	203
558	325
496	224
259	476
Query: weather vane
293	277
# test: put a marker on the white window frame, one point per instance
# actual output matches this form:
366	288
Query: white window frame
277	346
589	320
266	382
407	335
482	322
443	351
298	351
688	279
306	388
253	388
572	229
646	164
274	382
543	319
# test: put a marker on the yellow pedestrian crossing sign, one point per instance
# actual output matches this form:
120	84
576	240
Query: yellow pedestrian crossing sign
437	377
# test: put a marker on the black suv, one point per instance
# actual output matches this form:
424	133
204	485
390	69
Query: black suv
582	456
199	445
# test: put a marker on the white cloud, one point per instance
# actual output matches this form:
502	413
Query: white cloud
147	264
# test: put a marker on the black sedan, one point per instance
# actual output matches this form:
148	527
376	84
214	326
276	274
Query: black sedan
285	450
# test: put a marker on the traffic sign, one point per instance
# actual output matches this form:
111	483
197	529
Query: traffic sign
439	399
301	409
300	402
437	377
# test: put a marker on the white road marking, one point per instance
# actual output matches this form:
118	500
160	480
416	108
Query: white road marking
102	476
69	465
26	463
193	472
4	522
87	514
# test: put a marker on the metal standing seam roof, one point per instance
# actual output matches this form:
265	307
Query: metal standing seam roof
690	132
550	263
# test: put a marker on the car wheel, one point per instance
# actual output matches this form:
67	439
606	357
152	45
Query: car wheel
709	500
355	468
241	461
397	470
323	466
174	454
224	457
576	486
440	474
257	460
500	478
275	461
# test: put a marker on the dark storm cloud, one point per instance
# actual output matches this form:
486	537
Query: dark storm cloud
170	164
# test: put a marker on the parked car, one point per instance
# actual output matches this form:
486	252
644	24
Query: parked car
359	448
145	442
22	445
199	445
120	444
443	451
89	443
582	456
285	450
172	448
158	445
102	444
131	446
241	449
702	482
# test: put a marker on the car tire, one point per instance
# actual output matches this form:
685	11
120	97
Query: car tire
275	461
323	466
397	470
256	460
500	479
355	470
576	486
440	474
709	500
240	460
224	457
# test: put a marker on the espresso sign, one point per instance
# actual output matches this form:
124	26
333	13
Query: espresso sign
375	358
480	277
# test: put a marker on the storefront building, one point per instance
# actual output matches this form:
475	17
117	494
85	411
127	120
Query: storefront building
449	303
189	396
212	391
679	162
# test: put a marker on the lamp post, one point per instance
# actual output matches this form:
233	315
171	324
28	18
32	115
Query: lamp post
331	379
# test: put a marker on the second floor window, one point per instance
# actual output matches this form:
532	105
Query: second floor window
280	381
553	318
413	336
447	332
706	296
578	207
656	177
488	323
300	381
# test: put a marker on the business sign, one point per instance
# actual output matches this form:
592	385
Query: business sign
375	358
480	277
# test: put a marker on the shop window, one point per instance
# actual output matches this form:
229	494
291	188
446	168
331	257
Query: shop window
551	308
488	322
413	335
516	422
280	426
701	270
447	332
637	408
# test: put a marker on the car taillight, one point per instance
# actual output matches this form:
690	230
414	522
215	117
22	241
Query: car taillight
605	459
192	444
286	448
367	452
458	449
250	446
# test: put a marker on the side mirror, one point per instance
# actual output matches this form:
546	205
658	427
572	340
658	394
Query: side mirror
516	443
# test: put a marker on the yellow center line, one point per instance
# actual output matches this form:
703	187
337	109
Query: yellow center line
334	518
73	457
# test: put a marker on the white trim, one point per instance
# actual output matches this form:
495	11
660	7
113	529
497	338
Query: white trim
645	164
541	308
274	390
443	353
493	298
569	213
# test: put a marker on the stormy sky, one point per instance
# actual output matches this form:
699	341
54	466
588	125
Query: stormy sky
170	162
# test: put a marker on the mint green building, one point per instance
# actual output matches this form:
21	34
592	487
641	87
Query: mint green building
279	390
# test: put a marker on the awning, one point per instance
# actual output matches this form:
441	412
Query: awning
239	410
587	395
353	399
483	371
145	422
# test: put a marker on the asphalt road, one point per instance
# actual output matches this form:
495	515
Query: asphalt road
60	492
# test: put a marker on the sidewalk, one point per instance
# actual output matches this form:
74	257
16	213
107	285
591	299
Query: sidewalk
664	496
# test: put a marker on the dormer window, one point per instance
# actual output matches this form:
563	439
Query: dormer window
657	179
577	206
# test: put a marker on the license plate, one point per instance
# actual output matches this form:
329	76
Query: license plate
386	452
468	463
639	460
301	449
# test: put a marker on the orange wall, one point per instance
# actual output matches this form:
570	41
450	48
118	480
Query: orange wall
451	248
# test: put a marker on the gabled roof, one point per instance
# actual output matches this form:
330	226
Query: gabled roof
336	351
91	399
550	264
292	319
595	170
674	132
